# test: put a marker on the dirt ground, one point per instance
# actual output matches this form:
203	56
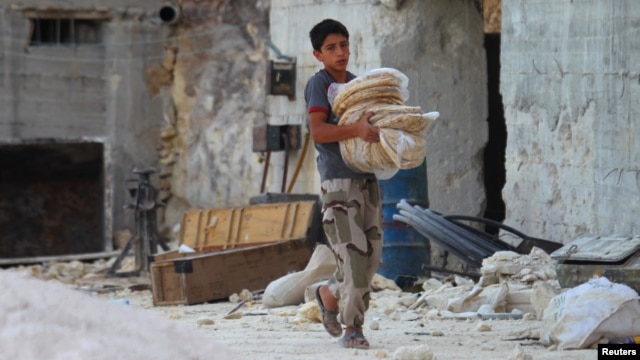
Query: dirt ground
69	314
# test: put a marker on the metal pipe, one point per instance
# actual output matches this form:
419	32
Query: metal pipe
285	139
475	242
170	13
458	245
434	234
299	164
264	173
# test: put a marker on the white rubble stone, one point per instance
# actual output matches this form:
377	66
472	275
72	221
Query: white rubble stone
542	292
520	354
418	352
483	327
431	284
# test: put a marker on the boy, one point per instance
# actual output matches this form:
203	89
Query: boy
352	217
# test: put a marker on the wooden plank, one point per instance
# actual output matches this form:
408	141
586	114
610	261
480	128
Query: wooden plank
56	258
229	228
283	235
175	254
157	291
167	286
292	221
212	222
239	213
265	224
190	228
199	241
254	224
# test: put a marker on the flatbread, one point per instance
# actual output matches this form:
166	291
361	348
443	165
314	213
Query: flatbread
386	94
402	141
370	81
412	123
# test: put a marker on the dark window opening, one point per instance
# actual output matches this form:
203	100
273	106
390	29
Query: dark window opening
65	32
494	153
51	199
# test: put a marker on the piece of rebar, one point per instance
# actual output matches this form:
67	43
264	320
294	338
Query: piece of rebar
238	306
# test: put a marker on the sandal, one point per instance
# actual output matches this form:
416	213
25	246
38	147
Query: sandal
329	318
354	340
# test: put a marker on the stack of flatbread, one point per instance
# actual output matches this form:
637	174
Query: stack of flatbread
402	128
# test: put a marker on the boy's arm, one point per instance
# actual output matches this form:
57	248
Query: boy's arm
323	132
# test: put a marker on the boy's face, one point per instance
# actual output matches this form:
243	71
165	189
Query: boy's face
334	52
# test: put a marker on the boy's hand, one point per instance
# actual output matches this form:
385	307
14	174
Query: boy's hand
366	131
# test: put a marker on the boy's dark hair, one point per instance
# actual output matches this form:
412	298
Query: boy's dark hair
325	28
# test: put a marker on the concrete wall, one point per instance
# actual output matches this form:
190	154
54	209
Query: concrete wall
93	92
570	84
217	61
182	98
50	91
134	116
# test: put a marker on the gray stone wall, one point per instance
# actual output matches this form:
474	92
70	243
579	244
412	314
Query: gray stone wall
570	84
134	114
94	92
49	92
216	95
182	98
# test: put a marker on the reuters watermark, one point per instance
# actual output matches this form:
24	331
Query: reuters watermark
618	351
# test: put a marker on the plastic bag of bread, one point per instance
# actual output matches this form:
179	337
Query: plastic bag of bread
381	85
402	128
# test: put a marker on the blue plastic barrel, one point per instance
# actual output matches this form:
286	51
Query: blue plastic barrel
404	250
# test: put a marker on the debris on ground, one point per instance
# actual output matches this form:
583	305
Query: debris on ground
488	316
44	320
506	284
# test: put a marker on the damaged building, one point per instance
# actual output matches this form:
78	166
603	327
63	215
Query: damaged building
96	92
77	119
536	130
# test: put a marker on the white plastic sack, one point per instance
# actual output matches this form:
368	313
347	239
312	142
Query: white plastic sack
579	317
289	289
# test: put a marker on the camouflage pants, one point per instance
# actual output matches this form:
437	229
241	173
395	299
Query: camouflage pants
352	220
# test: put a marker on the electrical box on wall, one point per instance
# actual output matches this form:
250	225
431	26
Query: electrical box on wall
276	138
281	78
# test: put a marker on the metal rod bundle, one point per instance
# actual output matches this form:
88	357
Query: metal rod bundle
468	245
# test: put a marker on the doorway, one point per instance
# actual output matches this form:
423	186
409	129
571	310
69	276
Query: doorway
51	199
494	153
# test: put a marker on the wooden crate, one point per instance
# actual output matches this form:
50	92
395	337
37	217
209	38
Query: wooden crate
195	278
254	224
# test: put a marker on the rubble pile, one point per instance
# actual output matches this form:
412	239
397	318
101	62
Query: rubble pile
45	320
514	267
509	283
73	271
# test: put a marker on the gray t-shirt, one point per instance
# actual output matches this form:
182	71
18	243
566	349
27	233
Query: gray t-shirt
329	160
